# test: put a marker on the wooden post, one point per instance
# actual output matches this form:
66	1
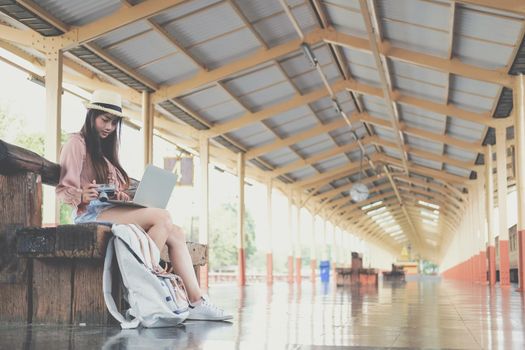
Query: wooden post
204	217
269	232
333	252
147	129
53	85
519	136
298	261
480	214
473	235
290	235
21	196
501	159
489	192
241	256
313	252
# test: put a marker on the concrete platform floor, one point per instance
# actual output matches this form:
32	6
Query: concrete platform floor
422	313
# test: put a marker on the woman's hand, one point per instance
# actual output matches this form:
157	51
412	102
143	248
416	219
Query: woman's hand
89	193
122	196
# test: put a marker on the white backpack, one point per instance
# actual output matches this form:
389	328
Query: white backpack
156	298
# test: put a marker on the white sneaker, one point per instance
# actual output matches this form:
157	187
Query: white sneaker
206	311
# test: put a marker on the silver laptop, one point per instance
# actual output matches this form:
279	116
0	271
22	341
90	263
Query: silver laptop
154	190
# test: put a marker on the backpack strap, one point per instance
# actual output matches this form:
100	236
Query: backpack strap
107	286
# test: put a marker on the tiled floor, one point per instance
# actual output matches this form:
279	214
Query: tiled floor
426	313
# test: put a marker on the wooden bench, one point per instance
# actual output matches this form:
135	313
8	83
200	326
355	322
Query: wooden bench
52	274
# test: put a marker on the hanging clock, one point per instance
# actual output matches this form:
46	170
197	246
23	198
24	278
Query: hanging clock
359	192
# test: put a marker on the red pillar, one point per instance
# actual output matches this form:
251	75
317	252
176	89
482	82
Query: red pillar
269	268
242	267
475	267
298	267
491	255
504	264
290	269
483	267
521	260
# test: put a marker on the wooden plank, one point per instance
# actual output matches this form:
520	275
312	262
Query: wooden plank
88	304
81	241
22	193
51	290
15	160
64	241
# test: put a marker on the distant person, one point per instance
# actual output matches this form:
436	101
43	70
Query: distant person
90	158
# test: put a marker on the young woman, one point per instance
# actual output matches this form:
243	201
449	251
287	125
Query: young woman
90	158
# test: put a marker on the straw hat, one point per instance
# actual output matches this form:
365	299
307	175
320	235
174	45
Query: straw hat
106	101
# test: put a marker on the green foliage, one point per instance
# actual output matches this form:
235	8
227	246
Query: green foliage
429	268
11	130
224	236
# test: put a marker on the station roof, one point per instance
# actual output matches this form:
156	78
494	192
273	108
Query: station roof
318	95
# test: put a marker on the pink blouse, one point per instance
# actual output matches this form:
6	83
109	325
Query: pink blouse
77	171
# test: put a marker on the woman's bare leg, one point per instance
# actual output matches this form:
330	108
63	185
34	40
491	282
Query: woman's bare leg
159	226
180	259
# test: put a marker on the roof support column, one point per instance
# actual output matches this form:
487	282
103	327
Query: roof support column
333	251
471	234
324	251
53	83
298	262
269	232
481	223
519	136
204	217
501	159
241	164
313	252
290	236
489	192
147	129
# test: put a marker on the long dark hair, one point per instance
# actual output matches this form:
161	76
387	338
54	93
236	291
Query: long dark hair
97	148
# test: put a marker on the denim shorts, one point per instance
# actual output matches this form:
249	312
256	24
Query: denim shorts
93	209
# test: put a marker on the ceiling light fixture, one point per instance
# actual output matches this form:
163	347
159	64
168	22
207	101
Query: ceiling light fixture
309	54
359	191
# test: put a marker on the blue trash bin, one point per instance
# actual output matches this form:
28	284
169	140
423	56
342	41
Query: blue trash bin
324	267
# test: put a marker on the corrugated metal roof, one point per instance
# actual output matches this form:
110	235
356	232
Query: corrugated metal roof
280	157
276	29
28	18
425	162
268	96
225	49
465	130
456	171
303	173
345	16
296	126
80	12
206	98
460	154
486	25
218	20
164	72
312	146
483	37
222	112
123	34
185	9
253	135
132	52
415	25
331	163
102	65
424	144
